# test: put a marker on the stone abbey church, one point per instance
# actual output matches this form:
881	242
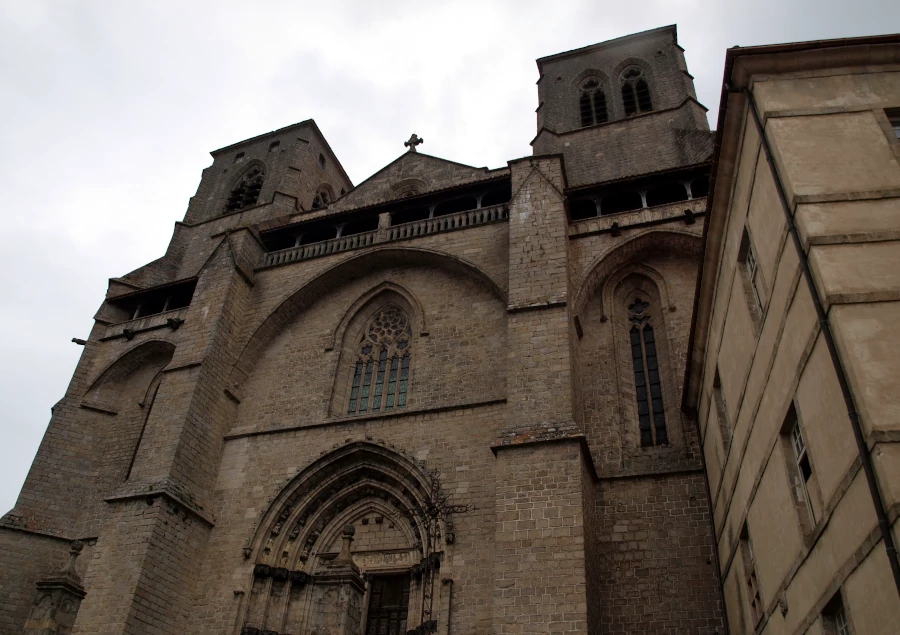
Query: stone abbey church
640	382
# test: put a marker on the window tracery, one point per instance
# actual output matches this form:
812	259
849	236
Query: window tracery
592	103
380	377
635	92
246	192
647	382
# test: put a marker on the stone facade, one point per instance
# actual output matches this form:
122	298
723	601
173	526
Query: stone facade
801	547
454	399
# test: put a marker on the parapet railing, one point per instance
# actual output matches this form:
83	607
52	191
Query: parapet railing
450	222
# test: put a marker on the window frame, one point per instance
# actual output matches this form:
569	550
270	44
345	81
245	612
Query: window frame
754	288
751	577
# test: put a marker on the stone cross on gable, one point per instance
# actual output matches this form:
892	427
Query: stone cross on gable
414	140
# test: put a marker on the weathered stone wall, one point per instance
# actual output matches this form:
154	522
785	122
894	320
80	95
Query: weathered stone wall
842	186
656	553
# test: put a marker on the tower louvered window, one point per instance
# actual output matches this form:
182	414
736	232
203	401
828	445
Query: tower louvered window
592	103
647	382
246	192
380	377
635	92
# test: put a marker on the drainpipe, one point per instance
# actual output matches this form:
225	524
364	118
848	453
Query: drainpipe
844	383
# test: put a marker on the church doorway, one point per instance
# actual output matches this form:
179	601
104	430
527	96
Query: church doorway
388	605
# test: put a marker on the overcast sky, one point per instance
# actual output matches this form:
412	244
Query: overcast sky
108	111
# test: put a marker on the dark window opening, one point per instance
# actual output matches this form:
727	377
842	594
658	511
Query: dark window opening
835	617
238	157
582	208
321	199
635	93
666	193
388	605
455	205
322	161
700	187
620	202
317	232
154	301
274	146
410	215
343	191
893	115
246	192
360	226
497	195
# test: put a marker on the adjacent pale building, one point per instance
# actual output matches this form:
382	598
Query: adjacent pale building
797	327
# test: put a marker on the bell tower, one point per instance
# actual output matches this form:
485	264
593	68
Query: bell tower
603	107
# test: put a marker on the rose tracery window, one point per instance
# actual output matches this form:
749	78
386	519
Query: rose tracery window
647	384
246	191
381	369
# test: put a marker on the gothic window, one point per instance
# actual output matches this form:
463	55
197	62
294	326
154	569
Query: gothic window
380	374
647	384
322	198
592	103
246	192
635	92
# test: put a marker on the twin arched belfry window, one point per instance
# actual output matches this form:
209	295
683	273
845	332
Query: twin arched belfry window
380	376
636	99
647	382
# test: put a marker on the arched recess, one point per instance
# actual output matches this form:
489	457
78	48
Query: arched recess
364	484
417	312
119	401
636	248
408	187
614	279
153	352
636	304
354	267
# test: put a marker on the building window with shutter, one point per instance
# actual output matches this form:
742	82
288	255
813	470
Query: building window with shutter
751	580
751	279
800	471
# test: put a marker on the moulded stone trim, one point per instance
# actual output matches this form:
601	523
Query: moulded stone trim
638	245
337	335
128	360
365	261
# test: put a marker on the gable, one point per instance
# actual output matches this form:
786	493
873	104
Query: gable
412	173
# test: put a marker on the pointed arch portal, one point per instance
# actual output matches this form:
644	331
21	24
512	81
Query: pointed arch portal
398	515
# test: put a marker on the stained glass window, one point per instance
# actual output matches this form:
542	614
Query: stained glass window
380	371
647	382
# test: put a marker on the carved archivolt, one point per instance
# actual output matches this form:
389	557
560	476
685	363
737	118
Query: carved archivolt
295	539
